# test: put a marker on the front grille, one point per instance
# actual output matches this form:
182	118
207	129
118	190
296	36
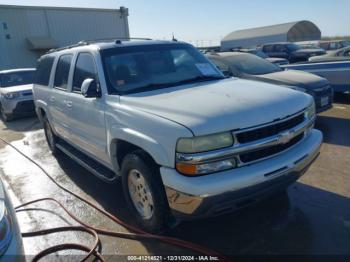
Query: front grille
25	106
270	130
266	152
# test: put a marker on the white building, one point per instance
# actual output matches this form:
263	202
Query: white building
288	32
27	32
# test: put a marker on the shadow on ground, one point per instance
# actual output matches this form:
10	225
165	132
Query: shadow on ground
335	130
22	124
307	221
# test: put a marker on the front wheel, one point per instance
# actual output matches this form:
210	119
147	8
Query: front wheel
144	192
6	117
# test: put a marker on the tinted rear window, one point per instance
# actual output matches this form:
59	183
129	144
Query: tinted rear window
43	71
62	71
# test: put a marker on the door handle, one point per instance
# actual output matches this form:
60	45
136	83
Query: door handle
52	99
69	103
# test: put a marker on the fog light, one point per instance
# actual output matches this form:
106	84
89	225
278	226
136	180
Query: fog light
206	168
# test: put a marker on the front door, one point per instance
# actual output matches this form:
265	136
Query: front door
86	115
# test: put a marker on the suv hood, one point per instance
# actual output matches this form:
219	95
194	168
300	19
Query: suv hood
218	106
293	78
22	88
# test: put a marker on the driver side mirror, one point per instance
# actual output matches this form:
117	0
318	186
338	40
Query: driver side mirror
90	88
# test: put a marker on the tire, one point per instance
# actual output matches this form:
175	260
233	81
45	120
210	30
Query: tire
6	117
50	136
156	218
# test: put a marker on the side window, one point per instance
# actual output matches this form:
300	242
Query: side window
280	48
333	46
85	67
43	70
62	71
268	48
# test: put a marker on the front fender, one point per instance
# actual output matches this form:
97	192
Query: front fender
147	143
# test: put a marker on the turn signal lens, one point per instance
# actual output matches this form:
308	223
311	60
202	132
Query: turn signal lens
206	168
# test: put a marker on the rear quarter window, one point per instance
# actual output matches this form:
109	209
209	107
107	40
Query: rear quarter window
43	70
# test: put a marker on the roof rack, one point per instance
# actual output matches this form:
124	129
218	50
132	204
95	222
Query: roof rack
88	42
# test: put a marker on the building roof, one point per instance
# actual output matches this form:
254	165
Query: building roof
288	32
61	8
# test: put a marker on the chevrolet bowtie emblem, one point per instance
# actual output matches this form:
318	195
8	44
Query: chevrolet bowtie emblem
285	137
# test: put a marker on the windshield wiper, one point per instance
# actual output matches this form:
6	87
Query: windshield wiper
196	79
153	86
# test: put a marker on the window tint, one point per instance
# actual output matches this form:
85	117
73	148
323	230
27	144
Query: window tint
84	68
151	67
333	46
16	78
280	48
62	71
325	46
268	48
252	64
43	70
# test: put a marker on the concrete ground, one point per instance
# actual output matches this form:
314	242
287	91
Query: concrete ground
314	218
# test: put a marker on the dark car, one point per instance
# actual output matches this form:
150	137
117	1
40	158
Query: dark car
259	53
334	44
252	67
292	52
337	55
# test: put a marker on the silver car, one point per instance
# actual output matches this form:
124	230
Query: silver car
16	95
11	247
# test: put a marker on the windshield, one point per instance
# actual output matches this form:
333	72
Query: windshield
345	43
17	78
252	65
145	68
293	47
261	54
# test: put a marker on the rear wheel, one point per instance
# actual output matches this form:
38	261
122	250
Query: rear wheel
51	138
144	192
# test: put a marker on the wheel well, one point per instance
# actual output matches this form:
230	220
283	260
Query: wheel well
41	113
123	148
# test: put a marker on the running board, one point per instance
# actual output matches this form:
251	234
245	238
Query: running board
87	162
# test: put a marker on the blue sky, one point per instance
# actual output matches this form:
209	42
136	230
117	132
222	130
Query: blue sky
208	21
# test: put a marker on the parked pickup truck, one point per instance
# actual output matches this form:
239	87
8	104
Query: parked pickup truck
186	141
337	73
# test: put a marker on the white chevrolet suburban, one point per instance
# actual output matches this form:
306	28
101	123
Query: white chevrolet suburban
186	141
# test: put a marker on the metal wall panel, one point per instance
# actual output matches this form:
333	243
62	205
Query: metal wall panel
66	26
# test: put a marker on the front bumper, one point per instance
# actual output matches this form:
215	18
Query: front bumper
223	192
19	107
319	96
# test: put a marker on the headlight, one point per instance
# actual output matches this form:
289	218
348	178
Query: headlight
310	111
5	229
11	95
204	143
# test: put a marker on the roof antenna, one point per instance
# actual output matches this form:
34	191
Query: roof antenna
174	39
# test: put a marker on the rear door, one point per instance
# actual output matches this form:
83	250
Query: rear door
86	115
57	98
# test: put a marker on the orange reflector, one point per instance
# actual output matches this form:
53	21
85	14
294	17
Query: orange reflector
186	169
